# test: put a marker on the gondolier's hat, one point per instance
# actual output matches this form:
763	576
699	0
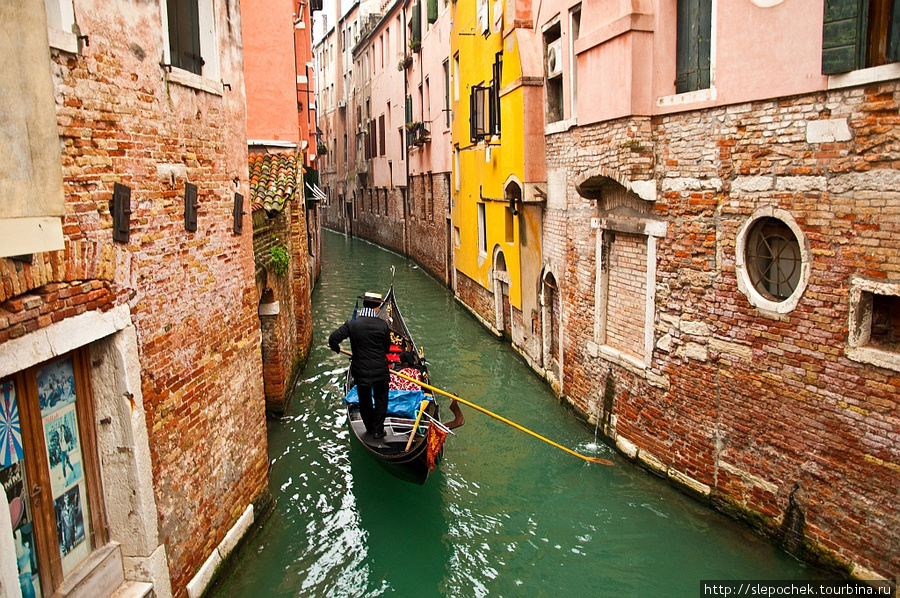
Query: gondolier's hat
372	299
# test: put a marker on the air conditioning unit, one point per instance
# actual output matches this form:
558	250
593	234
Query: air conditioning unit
554	58
342	103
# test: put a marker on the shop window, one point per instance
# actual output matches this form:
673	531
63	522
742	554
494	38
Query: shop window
772	260
693	46
50	470
859	34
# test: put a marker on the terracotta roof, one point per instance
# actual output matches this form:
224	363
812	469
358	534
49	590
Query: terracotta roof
273	180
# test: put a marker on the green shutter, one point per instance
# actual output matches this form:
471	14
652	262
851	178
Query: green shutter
184	35
693	45
893	51
432	11
841	36
415	23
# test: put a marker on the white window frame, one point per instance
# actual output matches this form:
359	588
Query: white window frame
700	95
653	230
745	283
61	25
210	80
482	230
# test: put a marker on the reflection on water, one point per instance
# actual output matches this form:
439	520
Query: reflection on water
504	514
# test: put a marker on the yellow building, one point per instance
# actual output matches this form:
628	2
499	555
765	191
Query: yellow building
499	170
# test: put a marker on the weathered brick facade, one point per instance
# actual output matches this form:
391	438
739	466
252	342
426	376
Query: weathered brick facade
417	228
753	407
190	295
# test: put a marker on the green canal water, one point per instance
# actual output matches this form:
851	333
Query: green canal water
503	515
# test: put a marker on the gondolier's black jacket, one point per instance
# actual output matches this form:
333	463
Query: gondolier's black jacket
370	340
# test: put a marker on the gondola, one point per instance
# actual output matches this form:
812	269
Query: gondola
414	461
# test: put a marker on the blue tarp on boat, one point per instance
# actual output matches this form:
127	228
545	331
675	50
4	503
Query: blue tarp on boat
401	403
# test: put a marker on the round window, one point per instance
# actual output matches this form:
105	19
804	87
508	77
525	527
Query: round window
772	264
773	259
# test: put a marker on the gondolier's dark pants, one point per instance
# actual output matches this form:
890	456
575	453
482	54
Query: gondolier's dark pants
373	414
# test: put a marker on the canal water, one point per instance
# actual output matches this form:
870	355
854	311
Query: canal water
503	515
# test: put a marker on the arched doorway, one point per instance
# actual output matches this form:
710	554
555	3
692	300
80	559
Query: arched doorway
502	310
551	328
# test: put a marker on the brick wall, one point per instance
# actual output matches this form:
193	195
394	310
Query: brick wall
286	335
191	294
739	403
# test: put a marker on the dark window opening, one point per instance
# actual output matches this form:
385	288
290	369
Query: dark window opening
184	35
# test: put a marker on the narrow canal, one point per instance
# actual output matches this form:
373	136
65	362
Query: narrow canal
504	515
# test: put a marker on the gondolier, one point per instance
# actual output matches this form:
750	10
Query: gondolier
370	341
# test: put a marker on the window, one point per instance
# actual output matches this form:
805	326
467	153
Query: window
553	71
860	34
476	113
510	225
415	24
574	31
447	93
484	17
60	23
482	231
874	322
432	11
456	77
381	136
772	260
50	470
693	45
192	41
626	249
494	97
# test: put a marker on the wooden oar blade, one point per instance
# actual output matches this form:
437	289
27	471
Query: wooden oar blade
598	460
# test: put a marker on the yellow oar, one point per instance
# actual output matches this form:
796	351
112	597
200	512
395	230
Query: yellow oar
412	433
495	416
505	421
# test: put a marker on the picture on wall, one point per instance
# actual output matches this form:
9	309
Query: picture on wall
63	450
13	480
10	428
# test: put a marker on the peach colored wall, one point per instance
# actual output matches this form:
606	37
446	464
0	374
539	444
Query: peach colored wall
436	156
387	86
626	54
269	70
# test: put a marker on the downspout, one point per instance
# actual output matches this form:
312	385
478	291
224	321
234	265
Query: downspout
408	194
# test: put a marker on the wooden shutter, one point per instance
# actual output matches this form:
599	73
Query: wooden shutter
494	99
693	45
842	36
184	35
432	11
893	49
415	23
381	136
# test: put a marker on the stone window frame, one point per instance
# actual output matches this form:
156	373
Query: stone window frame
61	33
744	281
653	230
860	321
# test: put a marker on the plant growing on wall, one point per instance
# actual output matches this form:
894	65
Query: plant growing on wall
280	259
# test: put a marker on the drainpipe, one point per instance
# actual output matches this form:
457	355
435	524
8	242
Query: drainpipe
406	138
